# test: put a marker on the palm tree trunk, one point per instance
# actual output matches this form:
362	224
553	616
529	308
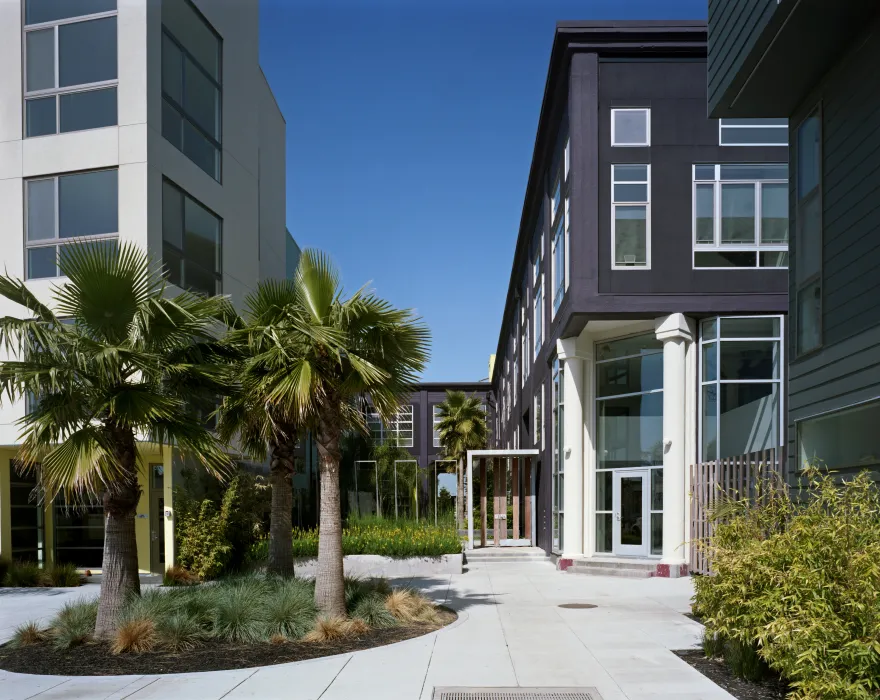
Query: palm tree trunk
119	568
461	500
329	581
280	517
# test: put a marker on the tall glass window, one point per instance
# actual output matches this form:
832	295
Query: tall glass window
191	85
558	476
808	219
191	242
79	533
538	284
629	426
560	226
631	216
27	530
741	385
70	65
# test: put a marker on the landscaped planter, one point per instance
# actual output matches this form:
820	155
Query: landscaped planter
375	565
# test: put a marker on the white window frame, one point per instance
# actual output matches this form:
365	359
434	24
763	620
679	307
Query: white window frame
757	247
646	204
647	111
57	91
435	421
717	340
402	418
756	125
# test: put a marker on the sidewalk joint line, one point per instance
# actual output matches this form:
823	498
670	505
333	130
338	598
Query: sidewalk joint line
46	690
428	667
333	680
138	689
256	670
503	632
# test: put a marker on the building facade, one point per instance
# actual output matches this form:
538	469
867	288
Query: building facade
815	65
644	327
146	121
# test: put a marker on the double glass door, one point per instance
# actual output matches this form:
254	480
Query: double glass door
632	515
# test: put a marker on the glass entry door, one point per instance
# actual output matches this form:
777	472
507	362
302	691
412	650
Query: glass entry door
631	512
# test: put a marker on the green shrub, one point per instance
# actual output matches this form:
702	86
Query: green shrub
290	610
27	635
713	644
744	660
799	580
371	609
180	631
390	538
62	576
239	611
24	574
74	624
4	569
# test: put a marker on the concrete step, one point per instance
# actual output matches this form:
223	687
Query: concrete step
608	566
506	560
610	571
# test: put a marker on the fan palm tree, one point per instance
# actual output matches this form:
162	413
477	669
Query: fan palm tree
115	364
267	345
328	353
462	427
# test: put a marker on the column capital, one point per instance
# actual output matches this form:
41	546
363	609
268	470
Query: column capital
567	349
674	327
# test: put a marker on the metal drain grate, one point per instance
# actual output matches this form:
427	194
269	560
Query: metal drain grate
516	694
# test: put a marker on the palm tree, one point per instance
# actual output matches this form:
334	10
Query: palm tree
267	346
113	365
336	351
462	427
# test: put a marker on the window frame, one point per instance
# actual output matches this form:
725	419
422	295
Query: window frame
57	242
614	264
559	227
718	381
717	220
218	274
780	127
434	421
647	111
217	143
802	284
57	91
557	480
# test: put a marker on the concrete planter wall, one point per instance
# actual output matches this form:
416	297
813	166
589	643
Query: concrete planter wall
375	565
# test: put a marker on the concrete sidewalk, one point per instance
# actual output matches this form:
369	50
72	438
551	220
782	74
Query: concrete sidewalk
511	632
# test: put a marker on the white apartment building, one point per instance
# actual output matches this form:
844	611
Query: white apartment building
132	120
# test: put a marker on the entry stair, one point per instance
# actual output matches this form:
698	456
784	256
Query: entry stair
490	556
613	566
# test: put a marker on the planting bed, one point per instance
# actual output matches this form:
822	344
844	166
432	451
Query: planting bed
96	659
719	673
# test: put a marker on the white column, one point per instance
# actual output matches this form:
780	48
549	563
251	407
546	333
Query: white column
573	445
675	332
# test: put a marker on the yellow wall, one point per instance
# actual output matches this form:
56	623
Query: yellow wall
168	488
5	516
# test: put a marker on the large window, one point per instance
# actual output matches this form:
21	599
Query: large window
808	220
559	205
191	85
525	345
741	385
629	425
631	127
191	242
753	132
401	428
79	533
77	208
631	216
845	439
27	529
538	285
558	477
436	420
70	55
741	215
538	430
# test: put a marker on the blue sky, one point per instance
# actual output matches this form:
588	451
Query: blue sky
410	127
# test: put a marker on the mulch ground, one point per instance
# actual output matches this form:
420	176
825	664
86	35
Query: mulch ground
718	672
96	659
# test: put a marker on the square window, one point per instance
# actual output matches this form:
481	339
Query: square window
42	262
631	127
87	52
88	110
40	116
40	57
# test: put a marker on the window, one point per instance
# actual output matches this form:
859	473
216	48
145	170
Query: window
71	74
27	528
845	439
559	215
191	85
631	127
741	215
436	414
629	426
401	428
753	132
558	475
191	242
77	208
79	532
537	282
808	229
538	431
740	385
631	216
525	346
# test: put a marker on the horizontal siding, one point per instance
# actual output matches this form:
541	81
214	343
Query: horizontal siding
851	195
734	27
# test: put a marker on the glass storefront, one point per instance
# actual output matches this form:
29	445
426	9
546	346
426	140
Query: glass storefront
79	533
629	436
740	385
27	529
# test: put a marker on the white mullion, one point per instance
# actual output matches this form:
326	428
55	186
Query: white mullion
57	59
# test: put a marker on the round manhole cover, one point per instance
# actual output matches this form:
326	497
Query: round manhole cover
577	606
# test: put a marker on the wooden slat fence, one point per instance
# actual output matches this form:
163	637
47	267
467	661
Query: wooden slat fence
732	477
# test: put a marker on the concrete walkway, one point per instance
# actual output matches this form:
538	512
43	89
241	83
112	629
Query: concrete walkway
511	632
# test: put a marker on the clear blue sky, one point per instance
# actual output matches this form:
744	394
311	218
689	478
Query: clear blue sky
410	127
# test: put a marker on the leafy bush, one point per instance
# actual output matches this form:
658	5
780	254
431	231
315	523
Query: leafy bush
24	574
213	541
390	538
798	581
